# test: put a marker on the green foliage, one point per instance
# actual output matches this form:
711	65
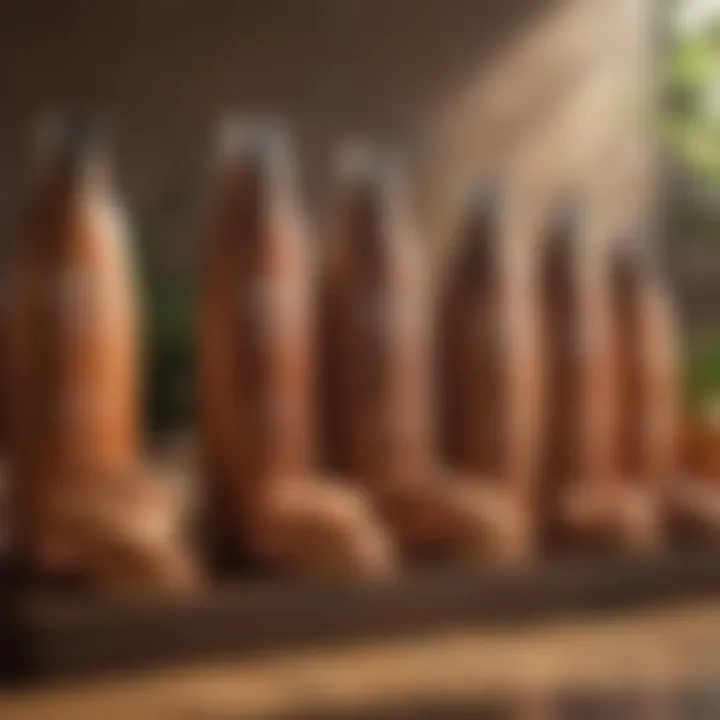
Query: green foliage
168	340
692	116
702	370
691	127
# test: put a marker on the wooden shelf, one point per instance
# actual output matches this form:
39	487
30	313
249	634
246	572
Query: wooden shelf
49	635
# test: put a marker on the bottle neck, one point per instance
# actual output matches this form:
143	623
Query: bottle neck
62	182
559	269
481	255
250	191
372	213
254	171
71	158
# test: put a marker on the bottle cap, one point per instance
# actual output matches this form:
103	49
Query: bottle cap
253	141
487	199
562	242
486	205
634	258
567	222
362	164
72	139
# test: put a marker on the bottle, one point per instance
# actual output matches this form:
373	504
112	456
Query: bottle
490	373
378	370
257	367
580	391
73	371
693	491
647	365
375	329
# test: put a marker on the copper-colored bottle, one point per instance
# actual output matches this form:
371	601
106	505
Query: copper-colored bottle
72	330
490	368
655	451
377	371
579	463
376	330
255	349
694	490
256	366
648	382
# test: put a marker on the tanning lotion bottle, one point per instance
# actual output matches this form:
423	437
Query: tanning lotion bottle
490	368
673	463
72	361
378	406
648	385
375	320
256	360
578	467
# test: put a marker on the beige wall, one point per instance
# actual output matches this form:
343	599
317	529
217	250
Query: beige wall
532	88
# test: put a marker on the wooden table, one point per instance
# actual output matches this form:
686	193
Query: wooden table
655	650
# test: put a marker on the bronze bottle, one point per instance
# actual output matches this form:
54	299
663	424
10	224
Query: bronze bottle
72	373
578	466
693	492
376	330
490	364
648	384
674	459
256	371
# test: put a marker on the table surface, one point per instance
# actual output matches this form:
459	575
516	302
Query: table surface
659	650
